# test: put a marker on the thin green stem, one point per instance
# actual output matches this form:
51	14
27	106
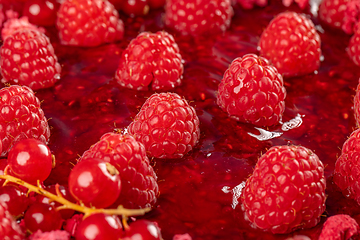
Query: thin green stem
66	204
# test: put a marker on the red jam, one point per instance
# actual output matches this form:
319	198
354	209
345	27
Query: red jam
198	193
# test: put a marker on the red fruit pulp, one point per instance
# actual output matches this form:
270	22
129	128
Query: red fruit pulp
198	192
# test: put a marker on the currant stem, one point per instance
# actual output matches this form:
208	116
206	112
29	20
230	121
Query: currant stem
69	205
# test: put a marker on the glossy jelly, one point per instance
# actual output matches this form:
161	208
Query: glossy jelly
199	193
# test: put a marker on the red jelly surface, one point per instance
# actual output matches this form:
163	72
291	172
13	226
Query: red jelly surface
199	192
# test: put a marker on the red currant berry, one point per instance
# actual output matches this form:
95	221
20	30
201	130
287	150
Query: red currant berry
95	182
143	230
44	217
65	213
30	160
41	12
99	226
15	199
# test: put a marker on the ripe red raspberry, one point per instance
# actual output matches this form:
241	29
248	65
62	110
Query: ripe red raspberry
198	17
167	126
88	23
28	58
357	104
286	191
332	12
340	227
252	91
291	43
52	235
351	17
347	167
21	117
15	24
151	59
9	229
139	188
353	48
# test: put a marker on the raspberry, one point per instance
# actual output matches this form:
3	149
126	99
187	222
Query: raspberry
28	58
139	188
351	17
291	43
15	24
167	126
198	17
52	235
357	104
21	117
353	49
252	91
339	227
347	167
286	191
151	59
88	23
9	229
333	12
